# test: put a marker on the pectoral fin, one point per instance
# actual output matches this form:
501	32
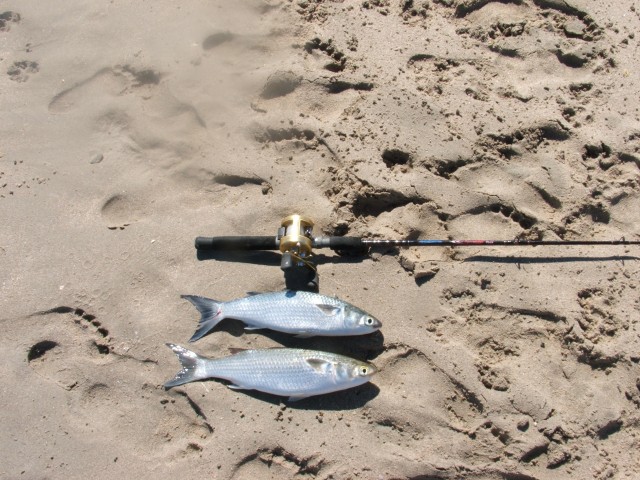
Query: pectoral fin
329	310
319	365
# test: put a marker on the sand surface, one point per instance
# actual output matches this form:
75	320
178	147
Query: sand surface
129	128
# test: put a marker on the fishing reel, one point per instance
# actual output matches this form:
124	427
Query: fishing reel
295	242
296	245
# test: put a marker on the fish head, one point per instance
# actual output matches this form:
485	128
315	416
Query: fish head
363	371
359	321
354	371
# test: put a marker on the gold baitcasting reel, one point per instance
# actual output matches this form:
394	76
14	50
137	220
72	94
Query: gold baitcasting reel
295	241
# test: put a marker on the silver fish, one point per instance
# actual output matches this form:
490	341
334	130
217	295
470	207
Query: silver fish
290	372
302	313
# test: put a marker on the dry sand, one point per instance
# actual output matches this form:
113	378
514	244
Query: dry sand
129	128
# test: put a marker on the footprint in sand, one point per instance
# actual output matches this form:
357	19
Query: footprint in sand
512	28
107	388
81	336
450	402
120	211
137	114
280	84
20	71
276	463
216	39
324	95
6	19
110	81
133	105
337	59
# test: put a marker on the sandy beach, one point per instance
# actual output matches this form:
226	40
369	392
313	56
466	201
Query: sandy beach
130	128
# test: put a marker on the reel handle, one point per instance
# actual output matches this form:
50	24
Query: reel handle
237	243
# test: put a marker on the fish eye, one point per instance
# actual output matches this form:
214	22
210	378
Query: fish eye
369	321
364	370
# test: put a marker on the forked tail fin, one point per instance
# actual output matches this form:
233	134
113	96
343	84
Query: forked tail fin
211	312
193	367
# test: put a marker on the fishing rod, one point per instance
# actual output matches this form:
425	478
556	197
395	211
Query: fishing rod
296	242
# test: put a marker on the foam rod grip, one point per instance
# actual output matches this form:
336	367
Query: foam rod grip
346	243
237	243
339	243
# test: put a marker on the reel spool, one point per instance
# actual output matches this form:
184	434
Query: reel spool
296	245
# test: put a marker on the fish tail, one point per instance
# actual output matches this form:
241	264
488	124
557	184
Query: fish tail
211	312
193	367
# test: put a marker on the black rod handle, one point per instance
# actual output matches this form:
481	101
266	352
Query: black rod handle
237	243
339	243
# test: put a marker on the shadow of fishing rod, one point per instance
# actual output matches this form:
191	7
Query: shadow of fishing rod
271	259
535	260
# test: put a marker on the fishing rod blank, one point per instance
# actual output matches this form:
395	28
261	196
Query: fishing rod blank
501	243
